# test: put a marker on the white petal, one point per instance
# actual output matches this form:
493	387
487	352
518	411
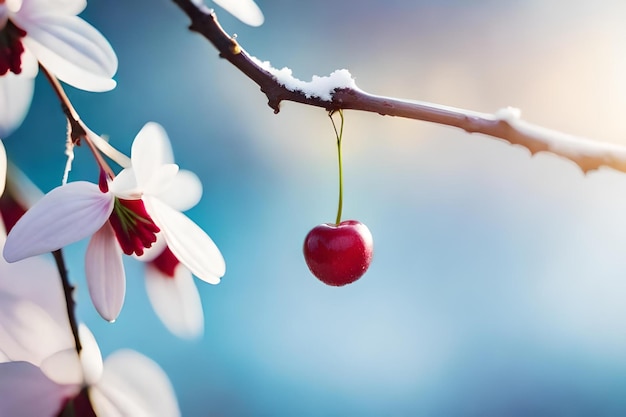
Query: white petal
133	385
69	7
23	190
63	367
176	301
187	241
245	10
66	367
162	178
35	280
124	185
71	49
65	215
90	356
183	192
3	167
104	270
25	391
104	406
27	332
16	93
150	150
30	64
33	317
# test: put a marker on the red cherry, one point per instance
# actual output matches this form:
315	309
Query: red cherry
339	254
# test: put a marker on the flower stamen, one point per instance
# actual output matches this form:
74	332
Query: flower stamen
134	229
11	48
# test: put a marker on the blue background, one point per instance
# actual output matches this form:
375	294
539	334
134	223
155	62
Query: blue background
498	283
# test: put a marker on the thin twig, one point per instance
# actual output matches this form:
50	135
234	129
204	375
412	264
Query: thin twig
587	154
68	290
78	130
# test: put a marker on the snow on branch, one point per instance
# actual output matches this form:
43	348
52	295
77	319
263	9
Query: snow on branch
339	91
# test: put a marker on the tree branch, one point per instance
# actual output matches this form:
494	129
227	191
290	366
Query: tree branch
504	124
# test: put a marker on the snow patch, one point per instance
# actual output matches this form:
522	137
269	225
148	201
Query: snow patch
321	87
508	114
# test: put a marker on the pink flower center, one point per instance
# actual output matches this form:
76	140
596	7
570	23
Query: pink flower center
79	406
11	48
10	210
166	262
133	226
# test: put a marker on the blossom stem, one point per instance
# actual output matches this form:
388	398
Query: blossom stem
70	112
68	290
78	130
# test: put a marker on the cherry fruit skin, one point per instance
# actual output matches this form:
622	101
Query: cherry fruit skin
339	254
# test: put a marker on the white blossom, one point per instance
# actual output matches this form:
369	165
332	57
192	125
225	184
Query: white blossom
51	33
122	214
245	10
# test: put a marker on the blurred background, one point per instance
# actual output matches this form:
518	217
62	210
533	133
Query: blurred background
499	279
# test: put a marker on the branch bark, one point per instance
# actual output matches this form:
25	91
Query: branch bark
505	124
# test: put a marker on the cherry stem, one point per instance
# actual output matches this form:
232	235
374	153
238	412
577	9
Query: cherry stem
339	135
